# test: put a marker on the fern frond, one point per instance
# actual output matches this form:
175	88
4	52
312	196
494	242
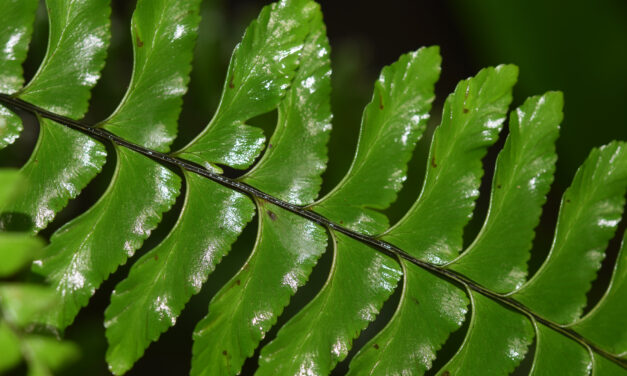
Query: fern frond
283	63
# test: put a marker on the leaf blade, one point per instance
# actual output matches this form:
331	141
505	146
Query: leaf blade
163	34
17	28
83	252
160	283
471	121
261	70
430	309
291	166
286	251
590	211
602	325
391	125
498	256
359	282
491	349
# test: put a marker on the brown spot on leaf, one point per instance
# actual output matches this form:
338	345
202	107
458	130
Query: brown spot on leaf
269	146
376	346
446	373
466	110
433	164
225	353
139	41
271	215
567	201
231	84
498	186
156	257
238	282
381	102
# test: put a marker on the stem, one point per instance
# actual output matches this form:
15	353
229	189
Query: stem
379	245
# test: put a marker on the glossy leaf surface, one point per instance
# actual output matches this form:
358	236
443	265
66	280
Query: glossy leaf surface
321	334
163	34
287	246
291	166
10	127
557	354
590	211
496	342
16	27
244	310
430	309
392	122
160	283
262	68
17	18
497	258
54	175
77	43
87	249
605	324
471	121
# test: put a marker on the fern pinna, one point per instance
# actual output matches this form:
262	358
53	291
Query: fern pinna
282	63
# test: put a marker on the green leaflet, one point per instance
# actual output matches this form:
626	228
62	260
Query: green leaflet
77	44
243	311
161	282
591	208
261	70
429	310
321	334
472	118
604	367
288	246
87	249
163	32
291	166
496	341
557	354
392	123
604	325
16	20
497	258
54	175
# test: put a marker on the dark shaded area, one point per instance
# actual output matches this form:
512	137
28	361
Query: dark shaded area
577	47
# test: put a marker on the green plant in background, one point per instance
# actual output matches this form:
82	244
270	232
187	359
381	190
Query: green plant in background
283	63
21	303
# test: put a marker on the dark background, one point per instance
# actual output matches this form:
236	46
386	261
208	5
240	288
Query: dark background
577	47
